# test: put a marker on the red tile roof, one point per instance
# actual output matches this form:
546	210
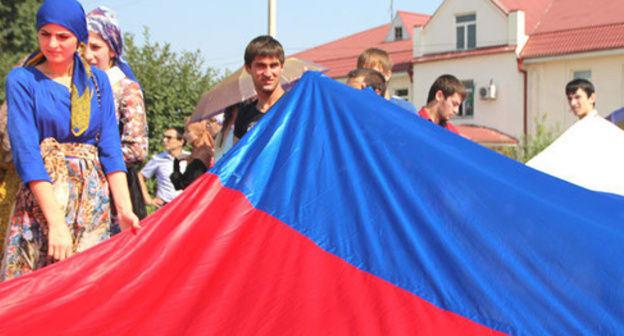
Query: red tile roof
485	135
411	20
574	14
340	56
573	26
533	10
571	41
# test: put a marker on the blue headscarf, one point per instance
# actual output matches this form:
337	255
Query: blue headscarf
70	15
66	13
103	22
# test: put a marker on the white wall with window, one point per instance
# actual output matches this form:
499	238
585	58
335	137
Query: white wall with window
401	86
397	31
491	27
467	107
466	31
548	77
505	113
583	74
402	93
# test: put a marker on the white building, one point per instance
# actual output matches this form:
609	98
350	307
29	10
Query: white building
515	57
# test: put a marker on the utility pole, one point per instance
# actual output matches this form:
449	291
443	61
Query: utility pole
272	18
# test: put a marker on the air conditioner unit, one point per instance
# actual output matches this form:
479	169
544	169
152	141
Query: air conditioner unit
488	92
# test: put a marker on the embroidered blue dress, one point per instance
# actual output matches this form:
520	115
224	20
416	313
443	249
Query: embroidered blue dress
44	149
39	108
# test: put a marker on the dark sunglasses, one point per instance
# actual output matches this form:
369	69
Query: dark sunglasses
169	137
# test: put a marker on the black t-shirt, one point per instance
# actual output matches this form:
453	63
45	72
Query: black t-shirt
193	171
247	117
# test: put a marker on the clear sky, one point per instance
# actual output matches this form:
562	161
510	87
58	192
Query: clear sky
222	29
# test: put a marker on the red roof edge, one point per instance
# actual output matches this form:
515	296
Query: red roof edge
485	135
464	53
501	7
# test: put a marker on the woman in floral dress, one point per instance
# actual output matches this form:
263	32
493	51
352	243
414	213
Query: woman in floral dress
66	148
105	51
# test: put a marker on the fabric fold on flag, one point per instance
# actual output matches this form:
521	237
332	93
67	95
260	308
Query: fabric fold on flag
340	213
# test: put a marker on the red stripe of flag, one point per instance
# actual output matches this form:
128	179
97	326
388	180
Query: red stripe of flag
226	269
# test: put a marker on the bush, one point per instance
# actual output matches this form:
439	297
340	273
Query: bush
531	145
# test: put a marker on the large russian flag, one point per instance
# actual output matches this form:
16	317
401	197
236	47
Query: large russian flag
341	214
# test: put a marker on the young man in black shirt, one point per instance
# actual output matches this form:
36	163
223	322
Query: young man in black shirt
264	61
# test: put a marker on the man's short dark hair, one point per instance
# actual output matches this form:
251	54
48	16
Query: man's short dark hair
372	78
263	46
580	83
179	131
449	85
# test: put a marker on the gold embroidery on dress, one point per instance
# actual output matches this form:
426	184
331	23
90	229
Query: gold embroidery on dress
80	110
81	104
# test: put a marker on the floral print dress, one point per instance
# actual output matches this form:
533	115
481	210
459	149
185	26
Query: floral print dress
130	112
81	189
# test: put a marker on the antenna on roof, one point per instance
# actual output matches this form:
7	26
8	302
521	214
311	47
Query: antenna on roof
391	10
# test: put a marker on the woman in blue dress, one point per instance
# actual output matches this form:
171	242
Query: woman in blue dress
66	148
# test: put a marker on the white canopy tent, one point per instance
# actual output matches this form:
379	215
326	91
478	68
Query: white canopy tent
589	154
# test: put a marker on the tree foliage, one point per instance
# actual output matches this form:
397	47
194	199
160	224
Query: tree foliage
18	34
535	142
172	83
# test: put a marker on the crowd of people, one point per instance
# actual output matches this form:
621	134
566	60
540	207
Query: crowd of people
81	175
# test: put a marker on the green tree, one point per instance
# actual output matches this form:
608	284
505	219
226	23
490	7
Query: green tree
535	142
18	34
172	83
18	38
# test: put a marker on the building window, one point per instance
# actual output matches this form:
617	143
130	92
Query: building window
585	74
466	31
402	93
398	33
467	107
